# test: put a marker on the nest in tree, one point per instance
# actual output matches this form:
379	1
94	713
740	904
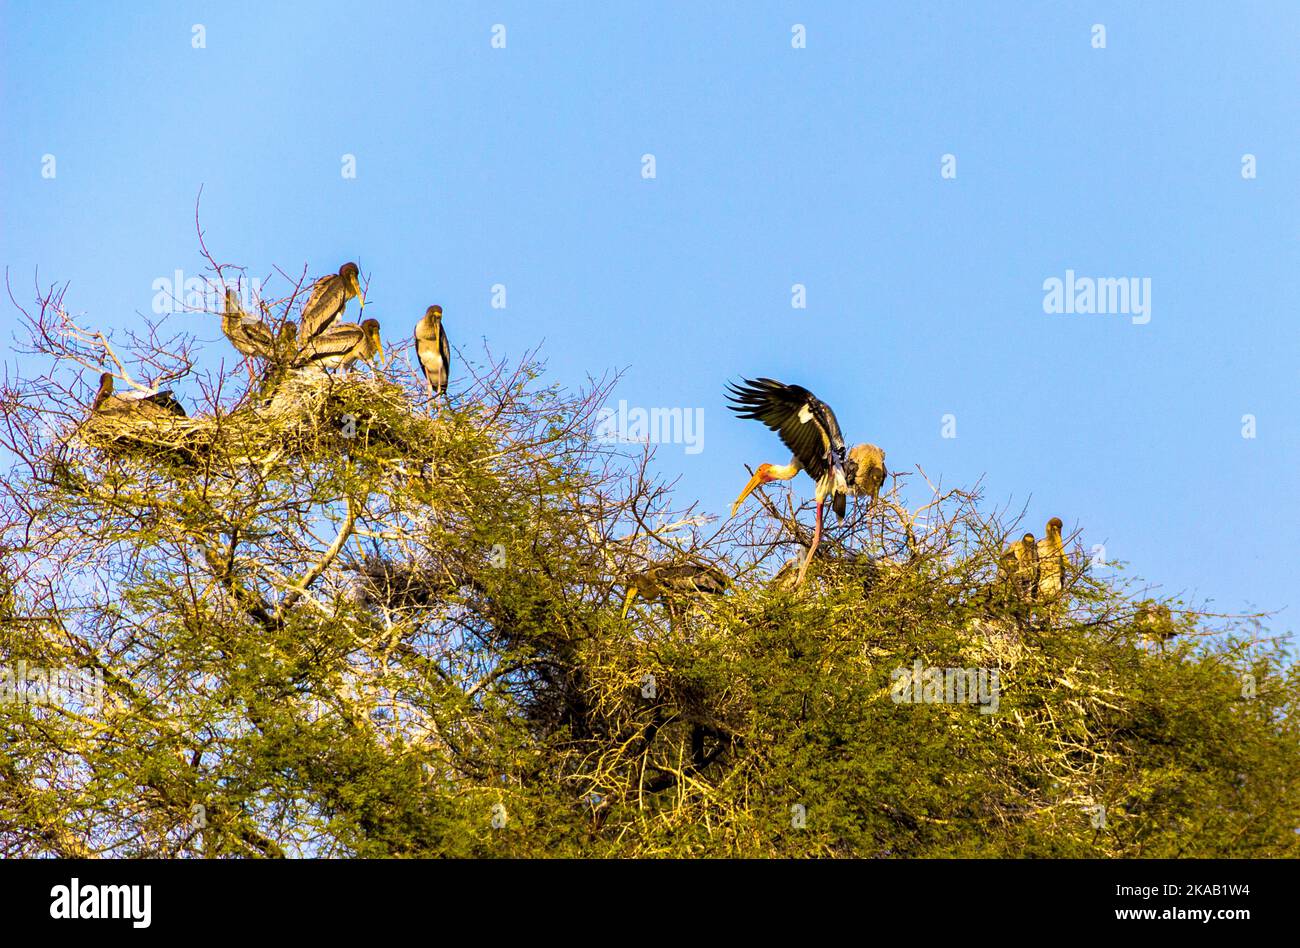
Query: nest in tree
305	410
396	584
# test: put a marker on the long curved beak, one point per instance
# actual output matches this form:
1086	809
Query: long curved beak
754	481
356	288
627	602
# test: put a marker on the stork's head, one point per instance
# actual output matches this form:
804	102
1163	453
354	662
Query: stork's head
352	281
1054	527
1028	540
870	470
763	475
374	345
433	314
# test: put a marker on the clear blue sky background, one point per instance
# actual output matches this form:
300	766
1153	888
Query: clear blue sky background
775	166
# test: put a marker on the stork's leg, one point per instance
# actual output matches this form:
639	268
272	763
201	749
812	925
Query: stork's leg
816	540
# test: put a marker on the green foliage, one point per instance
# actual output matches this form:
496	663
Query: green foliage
351	624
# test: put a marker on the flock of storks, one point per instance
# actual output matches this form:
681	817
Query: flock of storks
320	341
805	424
808	427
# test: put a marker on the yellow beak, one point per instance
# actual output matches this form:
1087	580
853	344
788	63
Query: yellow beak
627	603
753	482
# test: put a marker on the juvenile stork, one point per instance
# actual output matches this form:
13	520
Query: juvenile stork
1051	561
663	581
329	297
1155	622
1020	568
248	334
433	350
286	343
157	405
807	426
341	345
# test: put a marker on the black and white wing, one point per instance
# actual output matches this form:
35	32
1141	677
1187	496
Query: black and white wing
805	424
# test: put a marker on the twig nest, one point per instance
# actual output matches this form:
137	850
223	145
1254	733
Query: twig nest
304	407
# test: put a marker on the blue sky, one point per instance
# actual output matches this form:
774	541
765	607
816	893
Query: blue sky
774	166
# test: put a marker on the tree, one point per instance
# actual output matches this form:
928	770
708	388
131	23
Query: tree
333	617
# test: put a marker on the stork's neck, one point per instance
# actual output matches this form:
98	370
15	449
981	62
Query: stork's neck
783	472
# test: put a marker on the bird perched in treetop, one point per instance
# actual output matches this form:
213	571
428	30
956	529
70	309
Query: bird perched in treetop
341	345
104	392
1019	567
1051	561
329	297
667	579
807	426
151	404
249	335
1155	621
286	342
433	350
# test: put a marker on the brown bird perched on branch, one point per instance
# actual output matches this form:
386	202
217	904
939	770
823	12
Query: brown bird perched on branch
286	343
807	426
1051	561
248	334
104	391
1155	621
666	580
329	297
433	350
149	404
1018	567
341	345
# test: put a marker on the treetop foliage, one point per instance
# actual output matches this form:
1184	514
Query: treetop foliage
333	616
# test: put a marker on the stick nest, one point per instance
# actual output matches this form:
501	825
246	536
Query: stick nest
304	410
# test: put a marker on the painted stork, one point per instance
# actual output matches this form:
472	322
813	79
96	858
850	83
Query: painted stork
1155	622
157	404
104	392
666	580
433	350
329	297
807	426
1019	567
341	345
286	342
248	334
1051	561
